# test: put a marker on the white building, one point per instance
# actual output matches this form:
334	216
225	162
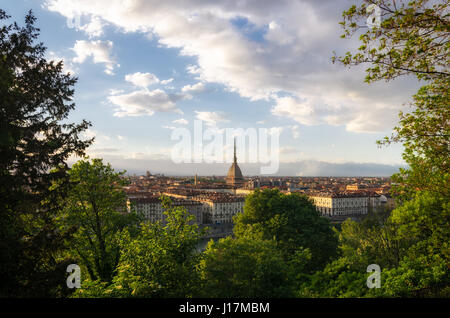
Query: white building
220	207
345	203
152	210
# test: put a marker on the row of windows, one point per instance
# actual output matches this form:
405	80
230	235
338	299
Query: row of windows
346	211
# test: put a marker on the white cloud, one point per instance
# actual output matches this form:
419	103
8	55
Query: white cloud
193	69
211	118
195	88
301	111
275	131
144	102
180	121
291	59
276	34
94	28
100	51
142	79
349	111
167	81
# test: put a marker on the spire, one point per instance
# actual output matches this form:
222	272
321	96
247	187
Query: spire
234	158
234	176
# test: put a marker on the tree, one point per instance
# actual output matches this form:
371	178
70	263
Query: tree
35	142
424	224
249	267
371	241
290	219
96	209
412	38
338	279
425	135
161	262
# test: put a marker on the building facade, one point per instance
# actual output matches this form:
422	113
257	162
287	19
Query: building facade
151	208
219	207
345	203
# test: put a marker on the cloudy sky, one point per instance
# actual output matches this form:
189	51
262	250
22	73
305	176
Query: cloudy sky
147	67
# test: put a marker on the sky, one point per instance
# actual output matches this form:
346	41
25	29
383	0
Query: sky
147	68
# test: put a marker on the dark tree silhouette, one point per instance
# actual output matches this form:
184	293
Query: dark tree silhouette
35	142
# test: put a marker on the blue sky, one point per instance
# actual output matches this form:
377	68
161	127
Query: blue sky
145	65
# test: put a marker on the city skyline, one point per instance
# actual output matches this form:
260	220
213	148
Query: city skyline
306	169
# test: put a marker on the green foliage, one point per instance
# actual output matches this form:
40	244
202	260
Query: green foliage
249	267
95	289
411	247
35	138
95	208
425	136
412	244
160	262
413	38
424	223
291	220
337	279
372	241
422	276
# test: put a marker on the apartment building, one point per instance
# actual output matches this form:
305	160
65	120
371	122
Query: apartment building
220	207
152	210
345	203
